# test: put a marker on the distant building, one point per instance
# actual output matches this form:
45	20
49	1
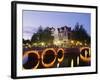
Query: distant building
64	33
61	35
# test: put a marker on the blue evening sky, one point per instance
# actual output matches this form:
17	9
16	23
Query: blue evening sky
33	19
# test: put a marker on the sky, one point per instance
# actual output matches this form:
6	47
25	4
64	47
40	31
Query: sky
32	20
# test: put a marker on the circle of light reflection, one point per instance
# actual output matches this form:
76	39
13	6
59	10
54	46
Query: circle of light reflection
42	57
86	59
60	59
34	52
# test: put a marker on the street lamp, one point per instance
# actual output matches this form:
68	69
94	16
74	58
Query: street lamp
42	43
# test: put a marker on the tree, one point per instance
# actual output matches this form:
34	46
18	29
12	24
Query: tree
26	41
37	36
80	34
47	37
42	36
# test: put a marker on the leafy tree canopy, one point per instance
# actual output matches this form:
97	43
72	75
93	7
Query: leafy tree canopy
42	35
80	34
